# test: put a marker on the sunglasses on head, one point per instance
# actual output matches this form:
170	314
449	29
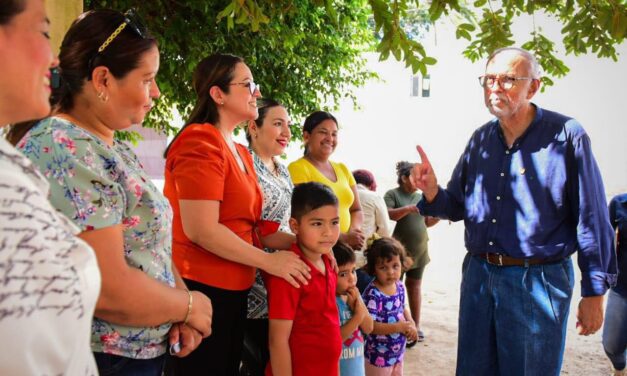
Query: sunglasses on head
131	20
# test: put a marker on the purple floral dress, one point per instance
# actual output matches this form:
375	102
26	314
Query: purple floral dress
97	186
385	350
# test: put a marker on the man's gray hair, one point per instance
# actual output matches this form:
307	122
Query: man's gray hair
533	62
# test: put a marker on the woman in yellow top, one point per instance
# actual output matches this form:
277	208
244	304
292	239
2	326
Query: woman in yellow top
320	139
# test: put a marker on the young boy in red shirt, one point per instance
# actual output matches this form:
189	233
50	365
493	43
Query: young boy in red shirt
304	332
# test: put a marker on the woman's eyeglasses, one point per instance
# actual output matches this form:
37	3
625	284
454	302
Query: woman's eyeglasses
250	85
131	20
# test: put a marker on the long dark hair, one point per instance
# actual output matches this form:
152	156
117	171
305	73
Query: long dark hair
215	70
79	56
10	9
314	119
264	106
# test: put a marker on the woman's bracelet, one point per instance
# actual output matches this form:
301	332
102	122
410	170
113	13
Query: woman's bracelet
189	307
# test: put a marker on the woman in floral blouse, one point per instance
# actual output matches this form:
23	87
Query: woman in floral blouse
109	63
267	136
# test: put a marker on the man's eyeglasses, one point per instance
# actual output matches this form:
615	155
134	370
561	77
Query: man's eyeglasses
250	85
132	20
505	82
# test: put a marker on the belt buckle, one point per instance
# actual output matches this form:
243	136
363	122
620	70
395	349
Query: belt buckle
498	262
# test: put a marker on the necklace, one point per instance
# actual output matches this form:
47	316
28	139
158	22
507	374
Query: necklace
272	167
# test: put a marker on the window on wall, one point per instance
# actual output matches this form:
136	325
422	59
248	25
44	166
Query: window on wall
426	86
415	86
420	86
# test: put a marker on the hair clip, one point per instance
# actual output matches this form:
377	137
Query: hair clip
371	239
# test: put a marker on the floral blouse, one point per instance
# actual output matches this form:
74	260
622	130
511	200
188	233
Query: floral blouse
97	186
277	196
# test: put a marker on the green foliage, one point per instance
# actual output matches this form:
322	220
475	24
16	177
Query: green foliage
589	27
394	38
494	32
544	51
308	53
300	53
596	26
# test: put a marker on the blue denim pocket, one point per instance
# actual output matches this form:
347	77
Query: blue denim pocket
558	283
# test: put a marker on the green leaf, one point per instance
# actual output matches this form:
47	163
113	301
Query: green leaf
397	53
429	60
618	25
227	11
467	26
423	69
461	33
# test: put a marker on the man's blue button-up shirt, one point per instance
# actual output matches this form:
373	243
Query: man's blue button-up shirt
541	198
618	219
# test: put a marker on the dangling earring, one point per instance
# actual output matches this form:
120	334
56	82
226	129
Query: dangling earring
103	97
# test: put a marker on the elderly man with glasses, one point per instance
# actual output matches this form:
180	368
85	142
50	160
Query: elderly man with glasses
530	193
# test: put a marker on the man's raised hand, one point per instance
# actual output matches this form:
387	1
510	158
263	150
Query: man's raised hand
423	177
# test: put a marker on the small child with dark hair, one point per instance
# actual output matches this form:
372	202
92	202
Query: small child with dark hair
385	299
304	322
354	316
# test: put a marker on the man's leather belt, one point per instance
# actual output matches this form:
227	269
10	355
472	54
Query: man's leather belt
504	260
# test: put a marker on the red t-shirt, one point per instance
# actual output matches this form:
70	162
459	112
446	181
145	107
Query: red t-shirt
200	166
315	340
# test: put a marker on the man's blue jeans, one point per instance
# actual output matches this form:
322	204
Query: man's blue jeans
512	319
615	329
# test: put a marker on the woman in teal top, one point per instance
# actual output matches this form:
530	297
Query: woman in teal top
109	63
411	231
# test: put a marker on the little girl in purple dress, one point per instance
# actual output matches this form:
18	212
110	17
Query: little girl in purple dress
385	299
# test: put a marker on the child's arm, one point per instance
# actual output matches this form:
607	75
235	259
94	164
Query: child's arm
412	333
397	327
351	325
349	328
280	355
359	309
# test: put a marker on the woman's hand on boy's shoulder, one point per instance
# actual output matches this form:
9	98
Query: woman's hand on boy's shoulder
289	266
